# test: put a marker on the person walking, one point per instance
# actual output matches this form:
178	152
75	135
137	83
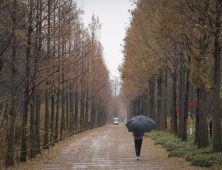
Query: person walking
138	140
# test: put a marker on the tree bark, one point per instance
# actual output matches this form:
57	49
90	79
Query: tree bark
197	125
159	92
165	103
52	117
87	109
53	81
201	103
56	137
67	110
184	137
217	143
5	116
82	111
203	140
163	116
32	125
71	122
92	114
128	112
37	123
11	133
174	128
26	93
62	127
152	105
76	110
181	100
146	101
46	134
38	97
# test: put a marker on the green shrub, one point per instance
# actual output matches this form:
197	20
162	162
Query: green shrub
188	158
176	153
201	162
199	157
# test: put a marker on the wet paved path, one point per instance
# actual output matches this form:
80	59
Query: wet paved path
112	147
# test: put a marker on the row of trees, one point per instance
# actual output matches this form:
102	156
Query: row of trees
171	47
53	77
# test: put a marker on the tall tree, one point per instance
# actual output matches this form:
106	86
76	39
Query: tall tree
217	143
46	133
11	133
27	84
38	95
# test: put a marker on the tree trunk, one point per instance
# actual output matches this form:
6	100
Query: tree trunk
11	132
131	110
163	118
33	142
181	101
24	116
141	105
99	118
56	138
37	123
201	103
82	112
53	81
165	103
197	125
92	114
146	103
70	113
87	109
184	137
217	143
67	110
128	112
76	110
52	117
174	129
203	127
62	127
38	97
32	125
5	116
152	91
158	103
46	134
26	93
96	114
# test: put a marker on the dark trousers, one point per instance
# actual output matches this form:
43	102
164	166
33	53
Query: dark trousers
138	144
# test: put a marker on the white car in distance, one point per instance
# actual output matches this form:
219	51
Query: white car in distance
116	120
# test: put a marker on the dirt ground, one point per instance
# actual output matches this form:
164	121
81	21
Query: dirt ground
107	147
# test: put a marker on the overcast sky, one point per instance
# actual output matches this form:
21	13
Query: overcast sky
114	17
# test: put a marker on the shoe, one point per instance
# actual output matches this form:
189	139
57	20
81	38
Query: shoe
138	158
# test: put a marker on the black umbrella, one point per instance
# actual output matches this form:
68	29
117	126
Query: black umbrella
140	124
